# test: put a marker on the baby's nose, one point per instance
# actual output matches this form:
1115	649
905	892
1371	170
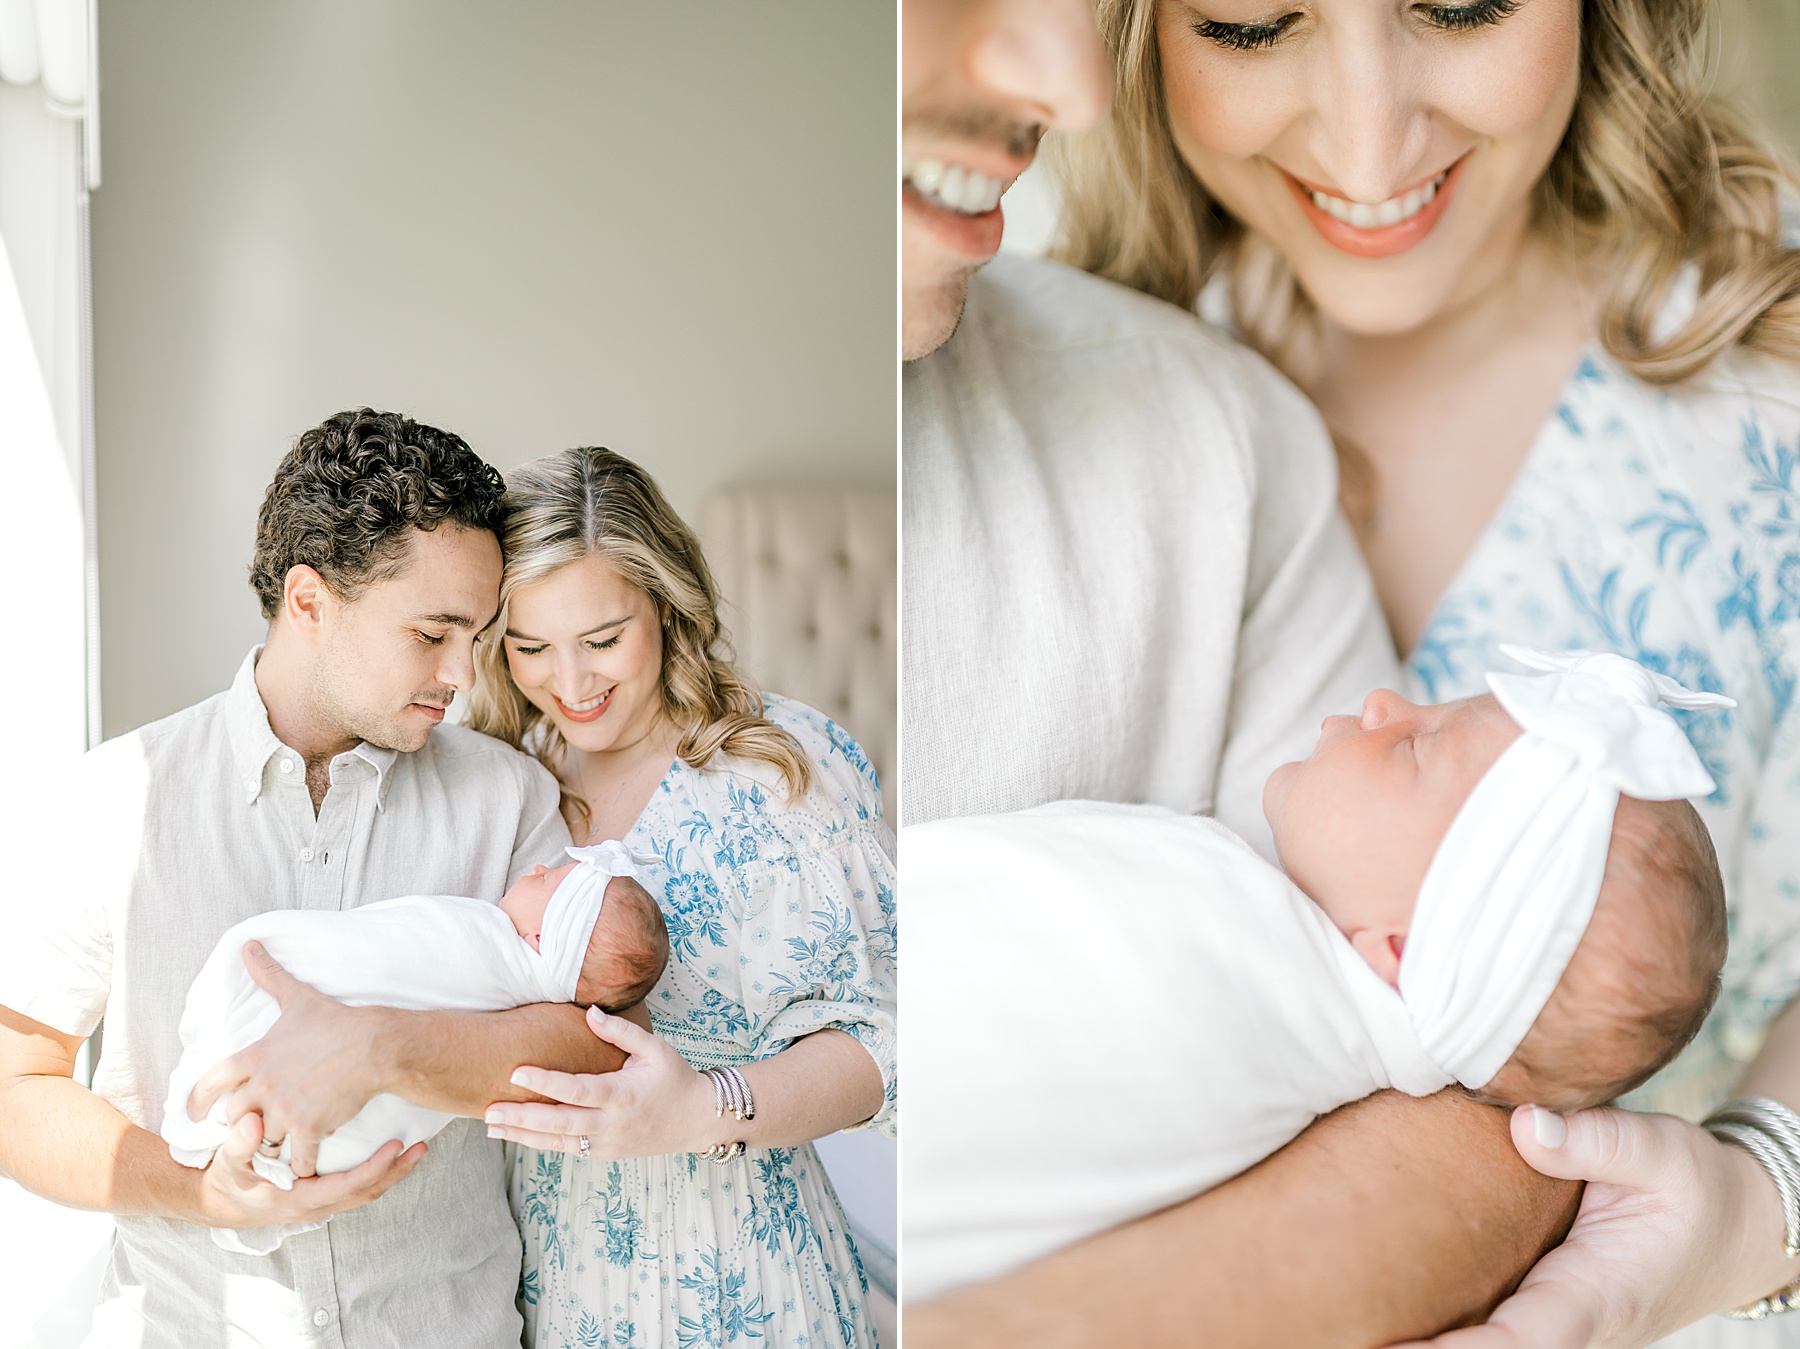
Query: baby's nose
1380	707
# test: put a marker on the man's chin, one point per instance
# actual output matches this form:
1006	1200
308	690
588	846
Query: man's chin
929	315
403	736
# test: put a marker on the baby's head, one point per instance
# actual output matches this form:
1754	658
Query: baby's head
1358	823
627	949
1644	976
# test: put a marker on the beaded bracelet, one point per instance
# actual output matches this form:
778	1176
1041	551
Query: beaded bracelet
1769	1132
1785	1300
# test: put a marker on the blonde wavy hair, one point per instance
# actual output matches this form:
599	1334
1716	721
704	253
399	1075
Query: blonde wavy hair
1652	173
583	502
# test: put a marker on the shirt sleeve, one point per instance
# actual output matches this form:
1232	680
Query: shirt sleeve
56	914
819	935
1313	640
542	833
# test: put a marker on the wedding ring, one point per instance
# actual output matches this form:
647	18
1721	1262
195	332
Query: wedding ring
581	1147
270	1147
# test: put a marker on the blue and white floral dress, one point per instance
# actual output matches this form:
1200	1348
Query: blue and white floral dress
1664	524
781	922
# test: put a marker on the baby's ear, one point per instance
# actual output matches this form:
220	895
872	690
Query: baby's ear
1380	951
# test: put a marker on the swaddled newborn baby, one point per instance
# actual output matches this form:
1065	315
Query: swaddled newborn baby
1507	892
1381	825
583	932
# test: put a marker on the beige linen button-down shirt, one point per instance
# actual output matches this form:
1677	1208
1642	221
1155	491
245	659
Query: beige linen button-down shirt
192	824
1126	574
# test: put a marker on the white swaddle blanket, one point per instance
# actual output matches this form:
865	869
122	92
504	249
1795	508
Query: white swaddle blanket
418	952
1203	1012
1145	1007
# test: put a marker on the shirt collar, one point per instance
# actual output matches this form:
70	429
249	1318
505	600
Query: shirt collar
254	746
382	761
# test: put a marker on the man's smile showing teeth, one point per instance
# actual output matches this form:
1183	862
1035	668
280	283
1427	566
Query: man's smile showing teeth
588	708
951	187
1393	211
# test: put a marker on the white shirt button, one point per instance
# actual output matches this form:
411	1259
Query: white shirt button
287	765
306	856
321	1317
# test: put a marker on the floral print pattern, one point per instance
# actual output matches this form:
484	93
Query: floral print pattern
781	922
1664	524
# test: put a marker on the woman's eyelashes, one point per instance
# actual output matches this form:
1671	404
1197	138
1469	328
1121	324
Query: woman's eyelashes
591	644
1244	37
1461	18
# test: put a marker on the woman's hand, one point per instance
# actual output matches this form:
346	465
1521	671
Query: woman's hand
652	1106
1674	1226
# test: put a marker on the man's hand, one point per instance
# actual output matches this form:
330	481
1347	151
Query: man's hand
314	1069
233	1195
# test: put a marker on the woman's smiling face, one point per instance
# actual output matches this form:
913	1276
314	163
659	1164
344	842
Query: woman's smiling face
584	645
1388	149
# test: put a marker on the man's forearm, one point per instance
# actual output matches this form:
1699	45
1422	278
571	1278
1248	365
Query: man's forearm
60	1141
462	1062
1388	1219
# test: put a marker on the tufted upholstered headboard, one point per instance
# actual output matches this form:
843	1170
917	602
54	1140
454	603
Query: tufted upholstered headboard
809	579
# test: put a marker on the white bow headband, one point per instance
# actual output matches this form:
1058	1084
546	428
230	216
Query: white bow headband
1513	884
575	907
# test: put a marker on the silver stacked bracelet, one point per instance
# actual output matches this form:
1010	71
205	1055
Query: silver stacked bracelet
730	1092
1769	1132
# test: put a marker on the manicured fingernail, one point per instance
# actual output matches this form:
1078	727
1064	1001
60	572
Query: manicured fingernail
520	1078
255	947
1551	1130
495	1117
595	1015
495	1133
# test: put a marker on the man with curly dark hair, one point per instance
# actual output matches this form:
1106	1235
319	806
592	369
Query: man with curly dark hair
323	779
363	501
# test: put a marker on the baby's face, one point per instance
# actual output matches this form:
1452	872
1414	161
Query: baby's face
1357	821
529	899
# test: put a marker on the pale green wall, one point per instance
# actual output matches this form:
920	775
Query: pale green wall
1762	45
664	226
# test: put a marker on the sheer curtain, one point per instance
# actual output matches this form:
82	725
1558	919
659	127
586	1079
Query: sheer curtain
50	1258
49	161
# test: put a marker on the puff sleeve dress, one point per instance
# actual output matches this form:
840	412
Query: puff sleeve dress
781	918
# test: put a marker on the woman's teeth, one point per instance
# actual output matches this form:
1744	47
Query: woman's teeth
953	187
589	705
1393	211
